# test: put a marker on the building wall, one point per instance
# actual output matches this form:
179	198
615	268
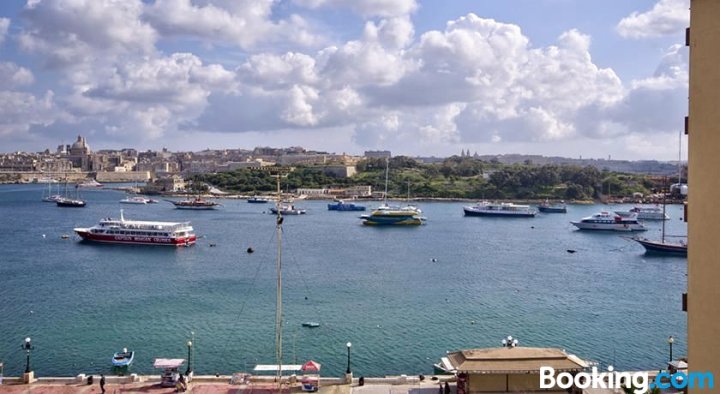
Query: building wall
703	164
134	176
486	383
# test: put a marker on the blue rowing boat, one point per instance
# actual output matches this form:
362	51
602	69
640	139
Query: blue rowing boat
123	359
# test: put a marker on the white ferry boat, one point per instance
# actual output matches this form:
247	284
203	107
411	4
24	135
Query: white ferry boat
121	231
645	213
134	200
610	222
500	209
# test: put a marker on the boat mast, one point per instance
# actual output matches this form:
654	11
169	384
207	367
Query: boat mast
663	216
278	174
387	171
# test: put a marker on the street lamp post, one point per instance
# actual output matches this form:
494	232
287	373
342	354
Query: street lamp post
28	347
189	367
349	345
670	342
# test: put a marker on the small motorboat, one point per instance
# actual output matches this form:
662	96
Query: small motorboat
311	324
287	209
134	200
258	200
123	359
547	207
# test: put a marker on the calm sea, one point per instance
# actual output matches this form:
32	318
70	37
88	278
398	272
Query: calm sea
402	296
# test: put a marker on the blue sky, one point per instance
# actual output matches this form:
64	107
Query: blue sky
555	77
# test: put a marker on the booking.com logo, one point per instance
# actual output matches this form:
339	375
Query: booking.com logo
639	381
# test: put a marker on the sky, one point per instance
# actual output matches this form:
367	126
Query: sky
590	78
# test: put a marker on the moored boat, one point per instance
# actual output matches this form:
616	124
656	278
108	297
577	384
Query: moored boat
444	367
52	198
499	209
609	222
645	213
663	246
123	359
547	207
341	205
196	203
389	215
288	209
121	231
135	200
258	200
90	183
66	202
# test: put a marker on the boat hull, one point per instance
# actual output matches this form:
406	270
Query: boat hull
379	220
552	209
196	208
477	212
123	360
136	240
274	211
659	247
609	226
70	203
345	207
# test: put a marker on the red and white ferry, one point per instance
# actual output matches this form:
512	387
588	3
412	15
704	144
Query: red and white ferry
121	231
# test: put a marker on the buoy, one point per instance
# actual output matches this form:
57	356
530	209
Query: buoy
571	250
43	235
532	226
213	245
250	250
472	321
434	260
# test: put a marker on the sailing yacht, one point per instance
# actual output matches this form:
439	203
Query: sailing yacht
50	196
69	202
663	246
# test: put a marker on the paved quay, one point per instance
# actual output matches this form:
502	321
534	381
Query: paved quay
218	385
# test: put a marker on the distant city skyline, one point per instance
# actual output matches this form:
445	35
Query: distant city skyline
416	77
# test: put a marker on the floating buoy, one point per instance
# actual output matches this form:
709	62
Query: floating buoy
213	245
571	250
532	226
472	321
434	260
43	235
250	250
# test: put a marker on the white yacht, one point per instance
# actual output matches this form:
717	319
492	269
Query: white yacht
645	213
500	209
609	222
134	200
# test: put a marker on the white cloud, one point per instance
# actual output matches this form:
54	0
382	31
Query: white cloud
243	23
367	8
4	25
19	111
665	18
12	75
69	32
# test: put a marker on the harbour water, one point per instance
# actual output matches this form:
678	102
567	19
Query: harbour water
402	296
